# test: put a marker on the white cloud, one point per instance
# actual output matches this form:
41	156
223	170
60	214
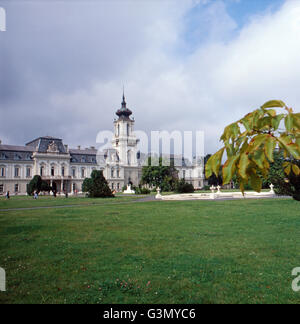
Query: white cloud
219	82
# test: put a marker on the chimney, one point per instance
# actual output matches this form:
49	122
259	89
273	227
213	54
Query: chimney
0	142
78	147
93	147
66	148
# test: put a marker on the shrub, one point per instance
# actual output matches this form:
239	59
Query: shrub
96	186
184	187
34	185
141	191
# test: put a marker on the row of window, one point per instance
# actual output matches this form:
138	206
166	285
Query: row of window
63	172
113	186
112	173
16	187
17	156
17	172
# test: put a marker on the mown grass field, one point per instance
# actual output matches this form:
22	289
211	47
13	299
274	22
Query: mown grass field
152	252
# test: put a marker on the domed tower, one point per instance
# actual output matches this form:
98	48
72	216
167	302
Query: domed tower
124	140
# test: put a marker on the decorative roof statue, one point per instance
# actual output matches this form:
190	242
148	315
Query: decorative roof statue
52	148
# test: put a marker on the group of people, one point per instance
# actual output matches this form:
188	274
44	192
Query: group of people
36	194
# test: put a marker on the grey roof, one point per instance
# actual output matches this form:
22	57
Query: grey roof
16	148
36	141
84	152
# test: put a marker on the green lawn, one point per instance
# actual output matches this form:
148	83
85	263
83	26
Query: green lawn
152	252
45	201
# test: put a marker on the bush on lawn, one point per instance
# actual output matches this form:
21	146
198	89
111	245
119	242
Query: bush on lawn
96	186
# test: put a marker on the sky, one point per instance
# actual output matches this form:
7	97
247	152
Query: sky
186	65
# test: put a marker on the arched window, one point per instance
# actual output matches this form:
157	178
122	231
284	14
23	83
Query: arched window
128	157
42	171
63	171
112	172
52	171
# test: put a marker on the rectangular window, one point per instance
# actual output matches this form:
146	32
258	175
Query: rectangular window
118	173
1	188
74	173
28	172
16	187
2	172
112	186
17	172
82	173
63	171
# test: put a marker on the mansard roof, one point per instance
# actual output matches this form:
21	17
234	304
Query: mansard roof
41	144
87	151
16	148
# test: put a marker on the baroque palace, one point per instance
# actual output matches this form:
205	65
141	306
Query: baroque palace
65	168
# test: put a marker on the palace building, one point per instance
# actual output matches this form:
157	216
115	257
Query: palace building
65	169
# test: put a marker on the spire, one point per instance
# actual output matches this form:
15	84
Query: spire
124	111
123	102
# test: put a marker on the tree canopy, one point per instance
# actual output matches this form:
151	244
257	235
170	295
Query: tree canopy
161	175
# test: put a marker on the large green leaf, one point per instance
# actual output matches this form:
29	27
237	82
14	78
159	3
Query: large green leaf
270	146
243	165
258	158
264	122
256	142
274	103
288	122
292	148
217	160
229	168
276	121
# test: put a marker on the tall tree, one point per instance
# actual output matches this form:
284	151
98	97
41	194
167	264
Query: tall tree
161	175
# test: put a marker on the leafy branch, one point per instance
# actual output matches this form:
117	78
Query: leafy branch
250	143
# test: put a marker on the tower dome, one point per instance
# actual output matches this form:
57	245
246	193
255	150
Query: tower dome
124	112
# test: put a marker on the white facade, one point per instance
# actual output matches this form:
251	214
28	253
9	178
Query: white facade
65	169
